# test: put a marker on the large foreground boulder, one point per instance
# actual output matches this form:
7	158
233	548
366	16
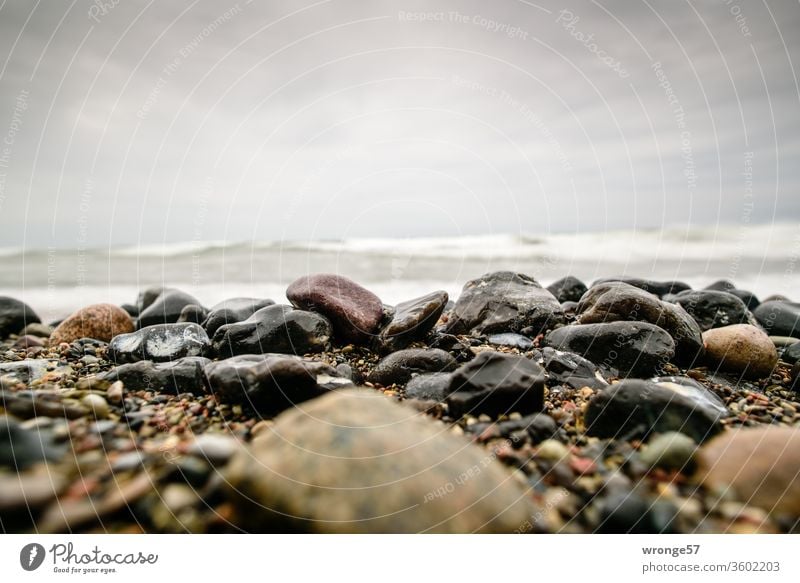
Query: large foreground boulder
356	462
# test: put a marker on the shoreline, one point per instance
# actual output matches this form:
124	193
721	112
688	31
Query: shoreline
129	441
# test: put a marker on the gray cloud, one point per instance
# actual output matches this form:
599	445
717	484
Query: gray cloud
161	122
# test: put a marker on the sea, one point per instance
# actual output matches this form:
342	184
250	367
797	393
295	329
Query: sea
764	259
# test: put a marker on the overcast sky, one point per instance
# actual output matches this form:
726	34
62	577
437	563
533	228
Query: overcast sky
144	122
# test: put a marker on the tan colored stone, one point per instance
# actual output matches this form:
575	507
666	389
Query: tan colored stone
760	467
98	321
353	461
741	349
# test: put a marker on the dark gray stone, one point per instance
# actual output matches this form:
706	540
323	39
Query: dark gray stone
571	369
629	513
748	298
791	353
433	386
567	289
280	329
659	288
712	308
20	447
165	309
495	383
412	320
14	316
231	311
193	313
159	343
504	301
632	348
637	408
779	318
270	383
400	366
184	375
615	301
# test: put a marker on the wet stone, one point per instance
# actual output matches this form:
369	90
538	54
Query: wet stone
504	301
159	343
270	383
184	375
495	383
400	366
632	348
276	328
231	311
412	320
636	408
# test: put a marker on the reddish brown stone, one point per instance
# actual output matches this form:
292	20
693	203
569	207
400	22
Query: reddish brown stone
759	466
354	311
98	321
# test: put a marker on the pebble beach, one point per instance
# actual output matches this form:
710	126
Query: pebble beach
618	405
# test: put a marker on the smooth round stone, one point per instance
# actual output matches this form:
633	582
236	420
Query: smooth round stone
672	450
630	513
27	341
659	288
712	308
690	388
278	329
779	318
495	383
193	313
97	405
20	447
215	448
741	349
183	375
616	301
567	289
37	329
356	462
759	466
794	377
354	311
552	450
166	308
400	366
98	321
433	386
14	316
637	408
231	311
159	343
412	320
270	383
633	348
749	298
503	301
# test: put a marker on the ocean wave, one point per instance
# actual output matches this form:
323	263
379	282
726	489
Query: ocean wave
773	241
